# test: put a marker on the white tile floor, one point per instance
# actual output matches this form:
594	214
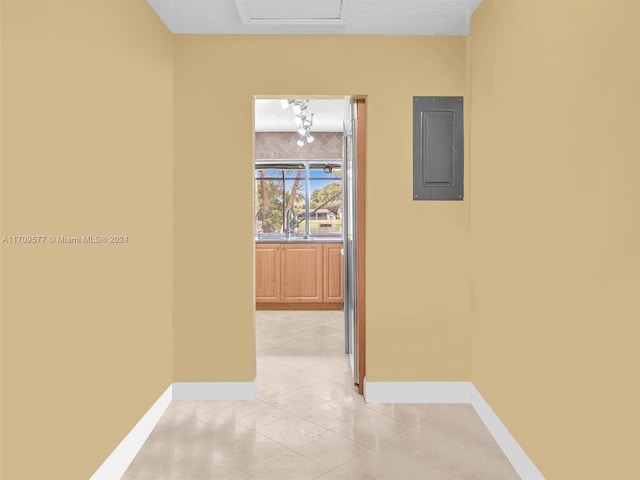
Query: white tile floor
310	423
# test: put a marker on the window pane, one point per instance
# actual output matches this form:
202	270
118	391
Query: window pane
269	206
325	205
295	188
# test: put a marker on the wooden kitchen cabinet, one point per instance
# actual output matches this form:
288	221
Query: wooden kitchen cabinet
301	273
268	273
298	275
333	272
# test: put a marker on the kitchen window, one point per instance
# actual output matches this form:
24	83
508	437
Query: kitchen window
298	199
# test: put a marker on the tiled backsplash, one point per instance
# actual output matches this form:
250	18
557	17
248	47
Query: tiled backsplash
282	145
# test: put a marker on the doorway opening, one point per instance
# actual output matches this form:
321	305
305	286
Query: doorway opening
306	217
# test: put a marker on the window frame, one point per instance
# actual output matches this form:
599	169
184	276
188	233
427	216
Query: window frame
306	165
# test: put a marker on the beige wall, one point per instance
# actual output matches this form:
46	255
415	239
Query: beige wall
97	99
86	149
555	229
417	252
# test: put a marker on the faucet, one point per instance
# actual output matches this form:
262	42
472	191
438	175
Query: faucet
289	223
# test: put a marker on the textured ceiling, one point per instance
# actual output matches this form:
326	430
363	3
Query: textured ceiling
322	17
328	115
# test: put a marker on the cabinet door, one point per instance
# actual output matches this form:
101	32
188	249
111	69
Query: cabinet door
268	273
333	273
302	273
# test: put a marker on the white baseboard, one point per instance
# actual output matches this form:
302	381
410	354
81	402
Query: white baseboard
215	390
119	460
417	392
456	392
117	463
512	450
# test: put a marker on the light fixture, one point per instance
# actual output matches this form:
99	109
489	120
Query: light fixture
327	169
303	119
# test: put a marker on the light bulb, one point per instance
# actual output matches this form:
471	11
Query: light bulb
310	138
302	131
296	109
300	141
285	103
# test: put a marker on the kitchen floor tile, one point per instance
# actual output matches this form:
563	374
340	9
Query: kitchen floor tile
329	414
309	422
330	449
291	431
288	465
262	417
295	401
370	428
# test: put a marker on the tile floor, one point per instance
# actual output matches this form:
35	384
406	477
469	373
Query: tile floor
308	422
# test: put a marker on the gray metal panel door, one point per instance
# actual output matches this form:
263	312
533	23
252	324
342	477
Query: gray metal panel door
438	148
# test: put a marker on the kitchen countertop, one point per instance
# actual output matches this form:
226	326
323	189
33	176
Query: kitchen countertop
300	240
